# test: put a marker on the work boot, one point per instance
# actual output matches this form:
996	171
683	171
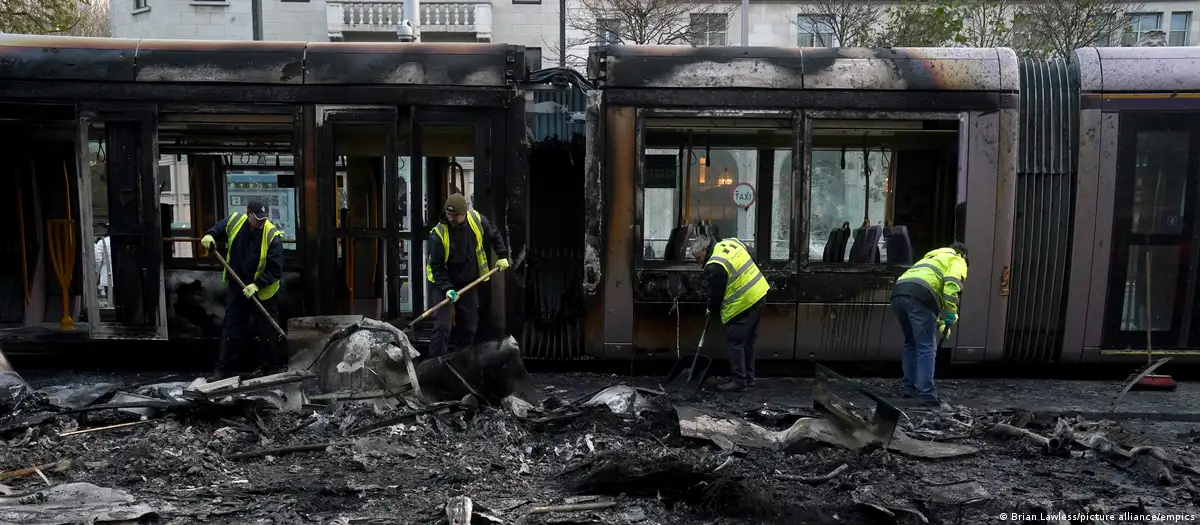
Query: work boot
733	385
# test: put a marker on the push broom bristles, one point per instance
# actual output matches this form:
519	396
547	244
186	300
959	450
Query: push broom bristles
1155	382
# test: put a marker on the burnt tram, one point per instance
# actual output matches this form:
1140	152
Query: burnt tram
354	146
1074	183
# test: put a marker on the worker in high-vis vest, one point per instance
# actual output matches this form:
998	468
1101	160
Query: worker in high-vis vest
736	291
254	249
925	300
458	255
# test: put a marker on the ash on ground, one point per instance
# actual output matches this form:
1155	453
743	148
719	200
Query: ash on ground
613	455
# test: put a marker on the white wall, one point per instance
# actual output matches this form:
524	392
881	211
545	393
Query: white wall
228	20
531	25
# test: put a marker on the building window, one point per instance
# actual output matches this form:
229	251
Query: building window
708	29
1141	25
608	31
814	31
165	181
141	4
1179	29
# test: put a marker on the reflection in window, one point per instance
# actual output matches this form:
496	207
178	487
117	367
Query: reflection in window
716	174
703	169
781	207
1152	309
846	192
1160	182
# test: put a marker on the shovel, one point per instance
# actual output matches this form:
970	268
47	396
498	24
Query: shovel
689	374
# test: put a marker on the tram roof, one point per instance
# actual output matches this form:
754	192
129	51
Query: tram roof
30	57
890	69
1139	69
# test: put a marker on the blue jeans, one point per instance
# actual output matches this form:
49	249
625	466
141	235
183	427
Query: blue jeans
919	324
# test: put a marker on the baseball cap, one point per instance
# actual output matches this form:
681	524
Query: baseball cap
258	210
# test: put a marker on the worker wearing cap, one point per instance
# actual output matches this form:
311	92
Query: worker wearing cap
457	256
255	253
925	301
736	291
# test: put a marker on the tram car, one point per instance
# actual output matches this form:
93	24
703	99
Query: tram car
1071	181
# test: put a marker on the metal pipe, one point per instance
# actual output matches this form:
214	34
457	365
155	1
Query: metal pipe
256	18
562	33
745	22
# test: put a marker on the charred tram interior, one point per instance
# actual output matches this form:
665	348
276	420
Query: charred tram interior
1073	182
145	144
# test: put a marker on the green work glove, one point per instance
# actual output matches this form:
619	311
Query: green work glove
250	290
452	296
208	242
502	264
949	319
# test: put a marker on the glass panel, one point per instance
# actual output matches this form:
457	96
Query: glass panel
659	204
705	169
1177	38
781	207
1160	182
1179	21
1150	296
846	192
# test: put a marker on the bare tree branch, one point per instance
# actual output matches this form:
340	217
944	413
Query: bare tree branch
1059	28
988	23
646	22
93	20
850	22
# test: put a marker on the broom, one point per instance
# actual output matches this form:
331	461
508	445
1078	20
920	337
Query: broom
1158	382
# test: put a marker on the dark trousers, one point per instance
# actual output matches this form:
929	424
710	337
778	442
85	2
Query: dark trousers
741	333
245	325
447	338
919	323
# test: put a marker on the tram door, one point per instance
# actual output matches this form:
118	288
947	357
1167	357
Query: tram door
449	156
119	207
1153	275
357	212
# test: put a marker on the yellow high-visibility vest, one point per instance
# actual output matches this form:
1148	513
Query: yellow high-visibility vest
745	284
942	272
443	234
232	227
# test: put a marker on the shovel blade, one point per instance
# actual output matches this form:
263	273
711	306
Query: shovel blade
688	373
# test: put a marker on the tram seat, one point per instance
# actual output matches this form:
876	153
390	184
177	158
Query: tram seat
835	247
866	245
677	243
899	245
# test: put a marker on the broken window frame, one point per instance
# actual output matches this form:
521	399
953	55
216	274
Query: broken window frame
765	174
293	252
802	254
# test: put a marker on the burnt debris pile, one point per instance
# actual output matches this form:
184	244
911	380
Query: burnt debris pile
264	451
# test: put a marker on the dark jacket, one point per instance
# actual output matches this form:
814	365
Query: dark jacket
918	292
462	267
715	282
243	255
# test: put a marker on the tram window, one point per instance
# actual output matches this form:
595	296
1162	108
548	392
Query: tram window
697	169
846	190
881	191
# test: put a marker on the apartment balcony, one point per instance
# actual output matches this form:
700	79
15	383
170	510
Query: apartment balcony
440	20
